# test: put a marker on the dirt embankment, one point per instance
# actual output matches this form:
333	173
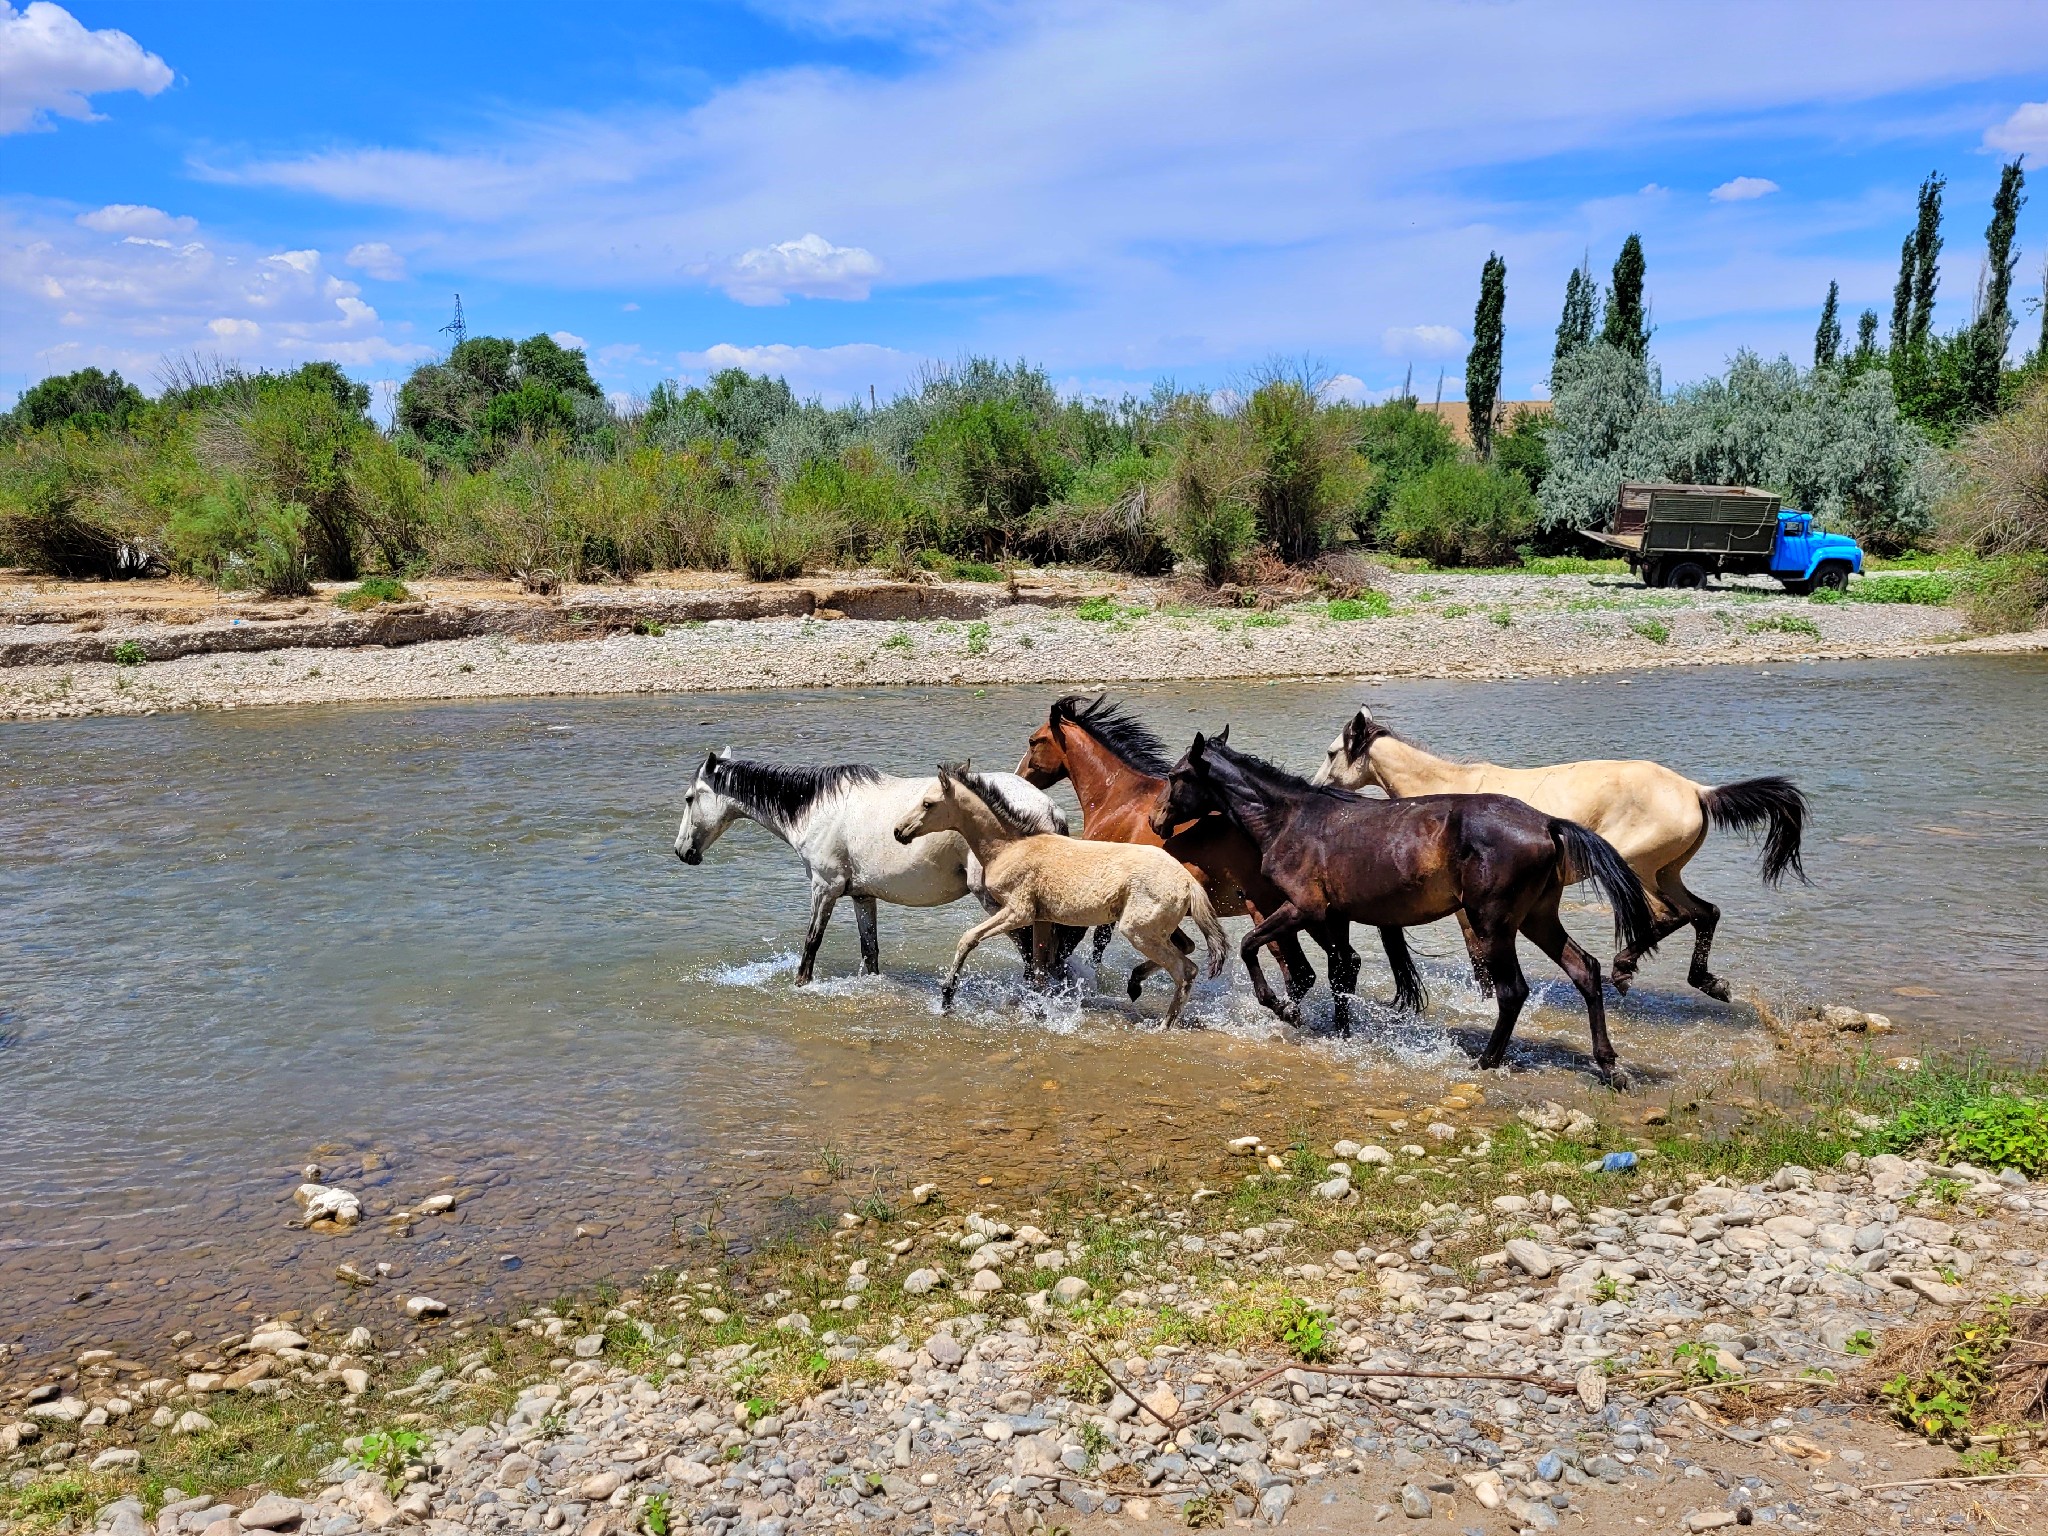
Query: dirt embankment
74	649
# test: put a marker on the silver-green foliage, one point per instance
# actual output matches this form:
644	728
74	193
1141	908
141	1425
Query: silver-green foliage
1827	443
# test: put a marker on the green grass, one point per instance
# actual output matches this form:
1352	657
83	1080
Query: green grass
1785	624
129	653
1932	591
900	641
1367	605
1986	1125
372	591
977	638
649	627
1656	631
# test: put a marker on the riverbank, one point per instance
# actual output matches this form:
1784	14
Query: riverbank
1673	1316
197	650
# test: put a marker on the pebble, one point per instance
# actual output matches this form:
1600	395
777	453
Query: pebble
269	1513
116	1458
417	1307
191	1422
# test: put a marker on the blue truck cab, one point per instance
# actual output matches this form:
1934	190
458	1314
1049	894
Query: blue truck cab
1804	557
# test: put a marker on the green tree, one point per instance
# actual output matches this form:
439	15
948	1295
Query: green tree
1523	449
1902	301
1397	441
1482	364
1926	261
1993	327
1462	514
544	360
1628	322
1575	325
1827	339
1866	336
86	401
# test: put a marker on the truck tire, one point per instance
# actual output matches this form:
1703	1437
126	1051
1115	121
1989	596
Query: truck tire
1833	575
1686	574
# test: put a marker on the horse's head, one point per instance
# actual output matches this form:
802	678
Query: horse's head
937	809
1189	795
706	811
1348	763
1044	762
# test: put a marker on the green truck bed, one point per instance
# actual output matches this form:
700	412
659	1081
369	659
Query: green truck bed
1721	520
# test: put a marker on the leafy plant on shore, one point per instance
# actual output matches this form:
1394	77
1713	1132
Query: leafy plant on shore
1784	624
1366	605
129	653
372	591
1990	1129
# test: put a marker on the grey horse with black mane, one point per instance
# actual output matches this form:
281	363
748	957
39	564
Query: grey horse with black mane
841	821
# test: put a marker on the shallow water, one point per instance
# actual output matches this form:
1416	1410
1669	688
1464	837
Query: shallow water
448	947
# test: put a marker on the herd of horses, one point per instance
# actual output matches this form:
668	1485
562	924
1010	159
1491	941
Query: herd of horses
1222	833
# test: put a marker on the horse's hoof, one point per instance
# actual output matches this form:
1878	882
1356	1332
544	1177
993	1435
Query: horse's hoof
1616	1077
1621	983
1134	989
1715	988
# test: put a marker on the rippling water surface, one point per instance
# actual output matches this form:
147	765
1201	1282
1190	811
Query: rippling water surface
448	947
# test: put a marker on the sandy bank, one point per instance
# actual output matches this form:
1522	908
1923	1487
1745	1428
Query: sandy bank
458	643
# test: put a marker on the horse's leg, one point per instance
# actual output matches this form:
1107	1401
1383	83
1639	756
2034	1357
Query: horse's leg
823	898
1547	933
1705	918
1478	953
1510	986
1145	968
1168	955
1286	919
1670	910
870	938
1103	934
1003	922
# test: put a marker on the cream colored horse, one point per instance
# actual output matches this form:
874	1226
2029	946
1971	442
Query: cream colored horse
1656	818
1036	878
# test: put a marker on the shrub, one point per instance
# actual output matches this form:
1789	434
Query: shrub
1307	477
1988	1128
1999	505
68	508
295	441
129	653
86	401
1209	491
1461	514
773	544
2007	593
373	591
241	538
1522	449
1397	442
993	456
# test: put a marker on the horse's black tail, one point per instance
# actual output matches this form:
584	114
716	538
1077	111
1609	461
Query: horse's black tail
1773	801
1589	856
1409	992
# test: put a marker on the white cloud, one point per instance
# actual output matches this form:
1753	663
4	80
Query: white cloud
812	268
1743	189
834	374
2025	132
50	65
1422	341
568	339
135	219
378	260
71	296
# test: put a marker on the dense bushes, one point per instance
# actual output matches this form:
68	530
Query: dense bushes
1461	514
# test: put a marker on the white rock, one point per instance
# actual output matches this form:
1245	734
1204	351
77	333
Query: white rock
116	1459
434	1205
984	1281
358	1340
1531	1256
417	1307
1346	1150
922	1194
1070	1290
268	1513
192	1422
268	1341
324	1202
1375	1155
1334	1189
919	1281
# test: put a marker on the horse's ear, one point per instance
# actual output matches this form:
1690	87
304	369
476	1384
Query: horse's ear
710	762
1223	737
724	753
1197	747
1358	734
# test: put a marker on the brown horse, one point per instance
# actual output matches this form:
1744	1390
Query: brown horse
1400	863
1118	768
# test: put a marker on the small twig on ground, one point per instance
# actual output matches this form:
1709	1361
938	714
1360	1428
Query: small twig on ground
1736	1386
1950	1482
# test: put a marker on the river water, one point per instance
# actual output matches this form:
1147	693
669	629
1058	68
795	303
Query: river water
448	947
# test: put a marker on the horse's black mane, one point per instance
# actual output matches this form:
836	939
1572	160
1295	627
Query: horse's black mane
782	794
1287	778
1015	821
1119	732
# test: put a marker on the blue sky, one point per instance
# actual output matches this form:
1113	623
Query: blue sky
844	190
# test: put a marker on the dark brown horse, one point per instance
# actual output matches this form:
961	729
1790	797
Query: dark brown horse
1118	768
1400	863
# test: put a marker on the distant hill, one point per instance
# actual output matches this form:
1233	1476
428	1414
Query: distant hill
1454	415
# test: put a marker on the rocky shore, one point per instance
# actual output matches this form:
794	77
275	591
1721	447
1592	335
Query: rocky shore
59	658
1415	1330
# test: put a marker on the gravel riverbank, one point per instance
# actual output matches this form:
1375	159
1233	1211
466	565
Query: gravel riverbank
1402	1344
1084	629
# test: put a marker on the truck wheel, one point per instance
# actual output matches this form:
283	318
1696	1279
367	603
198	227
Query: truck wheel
1832	575
1686	573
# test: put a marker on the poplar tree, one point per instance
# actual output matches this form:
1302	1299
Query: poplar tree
1992	330
1926	256
1482	364
1866	335
1627	325
1575	326
1827	340
1902	299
